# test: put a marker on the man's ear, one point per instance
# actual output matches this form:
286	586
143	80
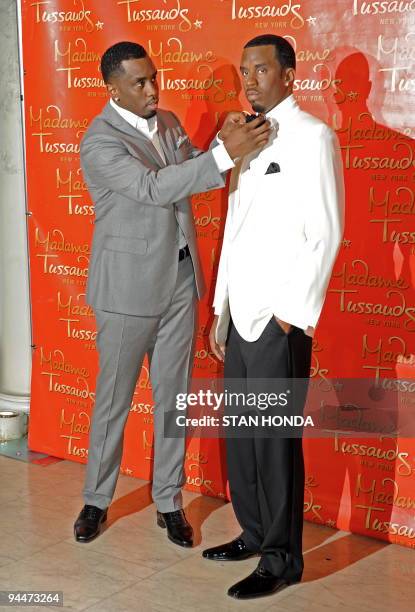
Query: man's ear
113	91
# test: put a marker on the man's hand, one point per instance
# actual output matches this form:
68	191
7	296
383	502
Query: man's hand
217	349
285	326
232	121
247	137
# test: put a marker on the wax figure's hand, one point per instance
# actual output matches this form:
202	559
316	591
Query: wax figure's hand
217	349
285	326
232	121
247	137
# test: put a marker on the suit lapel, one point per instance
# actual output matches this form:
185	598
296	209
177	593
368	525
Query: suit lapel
166	140
144	144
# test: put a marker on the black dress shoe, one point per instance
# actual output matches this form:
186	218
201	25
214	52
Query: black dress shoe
232	551
258	584
88	524
179	530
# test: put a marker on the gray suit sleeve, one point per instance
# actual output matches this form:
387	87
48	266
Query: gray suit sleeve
106	163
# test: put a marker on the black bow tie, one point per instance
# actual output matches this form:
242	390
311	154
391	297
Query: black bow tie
273	168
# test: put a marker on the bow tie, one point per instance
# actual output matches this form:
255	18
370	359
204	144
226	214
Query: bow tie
273	168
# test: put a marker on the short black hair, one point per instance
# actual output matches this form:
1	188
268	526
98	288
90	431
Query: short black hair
112	58
284	51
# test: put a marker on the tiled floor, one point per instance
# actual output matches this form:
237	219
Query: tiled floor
133	567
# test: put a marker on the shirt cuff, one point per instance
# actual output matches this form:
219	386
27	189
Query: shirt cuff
222	158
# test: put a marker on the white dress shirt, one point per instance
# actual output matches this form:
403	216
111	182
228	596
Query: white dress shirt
148	127
283	229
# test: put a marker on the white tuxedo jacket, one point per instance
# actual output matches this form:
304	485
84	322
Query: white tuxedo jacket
283	229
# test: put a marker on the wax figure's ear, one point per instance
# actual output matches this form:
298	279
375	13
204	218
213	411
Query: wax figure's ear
289	77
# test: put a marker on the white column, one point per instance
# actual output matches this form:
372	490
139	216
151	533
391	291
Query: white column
15	332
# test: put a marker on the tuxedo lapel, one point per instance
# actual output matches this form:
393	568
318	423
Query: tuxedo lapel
144	144
242	201
253	181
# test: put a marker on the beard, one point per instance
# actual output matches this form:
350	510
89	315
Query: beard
149	115
258	108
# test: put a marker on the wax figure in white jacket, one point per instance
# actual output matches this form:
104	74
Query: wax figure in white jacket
283	230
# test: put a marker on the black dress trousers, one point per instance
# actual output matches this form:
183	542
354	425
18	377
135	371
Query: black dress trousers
266	474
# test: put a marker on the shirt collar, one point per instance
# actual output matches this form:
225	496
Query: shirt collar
282	110
147	126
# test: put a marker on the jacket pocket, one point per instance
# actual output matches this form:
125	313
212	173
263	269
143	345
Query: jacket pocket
125	245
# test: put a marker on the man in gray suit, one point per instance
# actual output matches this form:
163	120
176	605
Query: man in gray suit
145	274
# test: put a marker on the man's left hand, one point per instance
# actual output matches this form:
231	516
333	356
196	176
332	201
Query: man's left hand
284	325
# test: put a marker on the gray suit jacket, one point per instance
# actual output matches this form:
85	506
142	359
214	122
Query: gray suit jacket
138	203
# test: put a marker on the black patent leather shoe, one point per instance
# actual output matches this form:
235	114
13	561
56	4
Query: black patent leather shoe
232	551
179	530
258	584
88	524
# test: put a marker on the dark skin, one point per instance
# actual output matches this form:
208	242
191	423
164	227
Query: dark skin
266	84
135	89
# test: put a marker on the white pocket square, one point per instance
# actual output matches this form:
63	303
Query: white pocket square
181	140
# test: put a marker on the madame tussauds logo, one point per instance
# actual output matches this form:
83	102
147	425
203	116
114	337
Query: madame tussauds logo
172	11
383	7
57	362
275	9
70	59
45	13
401	57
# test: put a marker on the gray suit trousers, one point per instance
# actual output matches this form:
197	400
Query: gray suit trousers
123	341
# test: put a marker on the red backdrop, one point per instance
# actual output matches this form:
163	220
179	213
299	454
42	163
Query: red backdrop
354	72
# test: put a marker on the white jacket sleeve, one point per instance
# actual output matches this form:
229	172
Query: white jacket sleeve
221	289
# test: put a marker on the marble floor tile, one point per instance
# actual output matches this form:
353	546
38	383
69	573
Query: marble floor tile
194	584
136	511
155	552
26	529
353	596
133	566
84	575
316	535
335	555
128	600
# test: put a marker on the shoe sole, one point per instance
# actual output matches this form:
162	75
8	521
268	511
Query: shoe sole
231	560
281	588
183	544
85	541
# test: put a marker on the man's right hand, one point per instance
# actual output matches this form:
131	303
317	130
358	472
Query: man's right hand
217	349
247	137
233	120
